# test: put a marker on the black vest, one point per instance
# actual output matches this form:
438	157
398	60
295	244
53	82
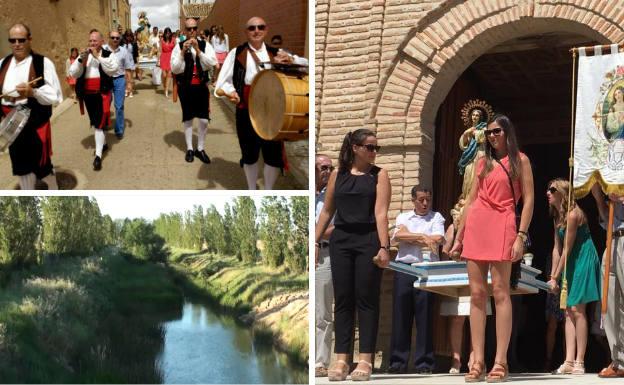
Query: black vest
39	114
106	82
185	78
240	66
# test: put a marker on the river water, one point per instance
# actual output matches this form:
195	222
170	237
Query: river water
205	347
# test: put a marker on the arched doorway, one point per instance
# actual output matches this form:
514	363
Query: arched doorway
435	54
529	79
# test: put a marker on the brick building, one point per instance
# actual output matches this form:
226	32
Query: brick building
57	26
405	68
288	18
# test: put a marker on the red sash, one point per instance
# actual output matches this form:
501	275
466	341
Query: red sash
44	132
195	79
244	103
92	86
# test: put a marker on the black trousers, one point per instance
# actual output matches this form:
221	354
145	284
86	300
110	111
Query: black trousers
409	305
251	144
194	100
357	283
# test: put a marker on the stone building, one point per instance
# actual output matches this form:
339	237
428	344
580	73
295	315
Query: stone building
59	25
405	68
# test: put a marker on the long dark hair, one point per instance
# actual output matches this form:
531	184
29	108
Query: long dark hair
169	36
345	159
512	147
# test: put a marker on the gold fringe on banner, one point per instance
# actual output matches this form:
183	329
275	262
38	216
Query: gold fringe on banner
596	177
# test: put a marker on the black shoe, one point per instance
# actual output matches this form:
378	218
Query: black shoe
396	370
423	370
202	156
97	163
189	156
119	136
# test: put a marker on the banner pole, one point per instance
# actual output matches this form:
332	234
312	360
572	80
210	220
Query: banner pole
605	279
563	299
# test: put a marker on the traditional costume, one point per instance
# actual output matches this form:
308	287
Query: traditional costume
31	151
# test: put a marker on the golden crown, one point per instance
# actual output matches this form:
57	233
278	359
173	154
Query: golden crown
476	104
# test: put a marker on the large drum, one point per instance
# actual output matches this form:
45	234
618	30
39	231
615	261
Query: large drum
12	124
278	105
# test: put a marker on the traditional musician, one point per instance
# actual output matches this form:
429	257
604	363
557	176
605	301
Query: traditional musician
191	60
613	324
419	232
239	69
94	70
32	149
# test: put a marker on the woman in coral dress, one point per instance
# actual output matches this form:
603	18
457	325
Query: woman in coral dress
166	45
491	203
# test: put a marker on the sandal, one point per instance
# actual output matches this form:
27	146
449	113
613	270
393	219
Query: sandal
335	374
579	367
476	372
498	374
361	375
566	368
455	366
320	371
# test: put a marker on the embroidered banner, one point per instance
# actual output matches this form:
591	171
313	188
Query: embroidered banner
599	126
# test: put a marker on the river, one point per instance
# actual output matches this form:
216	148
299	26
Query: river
205	347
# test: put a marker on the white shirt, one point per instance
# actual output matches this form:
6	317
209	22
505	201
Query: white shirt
220	45
207	59
430	224
109	66
225	81
154	41
124	59
48	95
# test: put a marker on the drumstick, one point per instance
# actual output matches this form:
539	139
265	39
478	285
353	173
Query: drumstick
29	83
220	92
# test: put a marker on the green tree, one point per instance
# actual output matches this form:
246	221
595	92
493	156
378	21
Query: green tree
244	228
299	210
227	229
20	229
215	231
274	230
140	240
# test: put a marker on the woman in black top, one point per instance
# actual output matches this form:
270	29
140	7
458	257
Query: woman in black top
359	195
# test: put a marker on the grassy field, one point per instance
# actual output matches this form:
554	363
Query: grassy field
240	287
65	320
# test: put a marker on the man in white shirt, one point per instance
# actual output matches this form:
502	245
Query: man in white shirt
419	232
237	73
93	71
190	61
154	41
32	149
324	288
125	62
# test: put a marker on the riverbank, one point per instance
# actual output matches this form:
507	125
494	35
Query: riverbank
66	320
273	301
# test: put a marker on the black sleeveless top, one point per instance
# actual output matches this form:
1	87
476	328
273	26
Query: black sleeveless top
354	197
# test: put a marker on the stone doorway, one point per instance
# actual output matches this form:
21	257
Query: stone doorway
529	79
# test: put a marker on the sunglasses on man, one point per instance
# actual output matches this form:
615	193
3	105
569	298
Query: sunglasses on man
326	168
371	147
17	40
260	27
191	28
115	38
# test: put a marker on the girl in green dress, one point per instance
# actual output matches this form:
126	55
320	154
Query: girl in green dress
582	273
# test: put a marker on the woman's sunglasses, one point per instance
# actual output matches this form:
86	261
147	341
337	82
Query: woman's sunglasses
551	190
494	131
371	147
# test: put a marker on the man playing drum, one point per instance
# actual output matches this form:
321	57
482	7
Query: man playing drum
94	70
239	69
190	61
32	149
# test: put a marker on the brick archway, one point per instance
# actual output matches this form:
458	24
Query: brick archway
440	48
